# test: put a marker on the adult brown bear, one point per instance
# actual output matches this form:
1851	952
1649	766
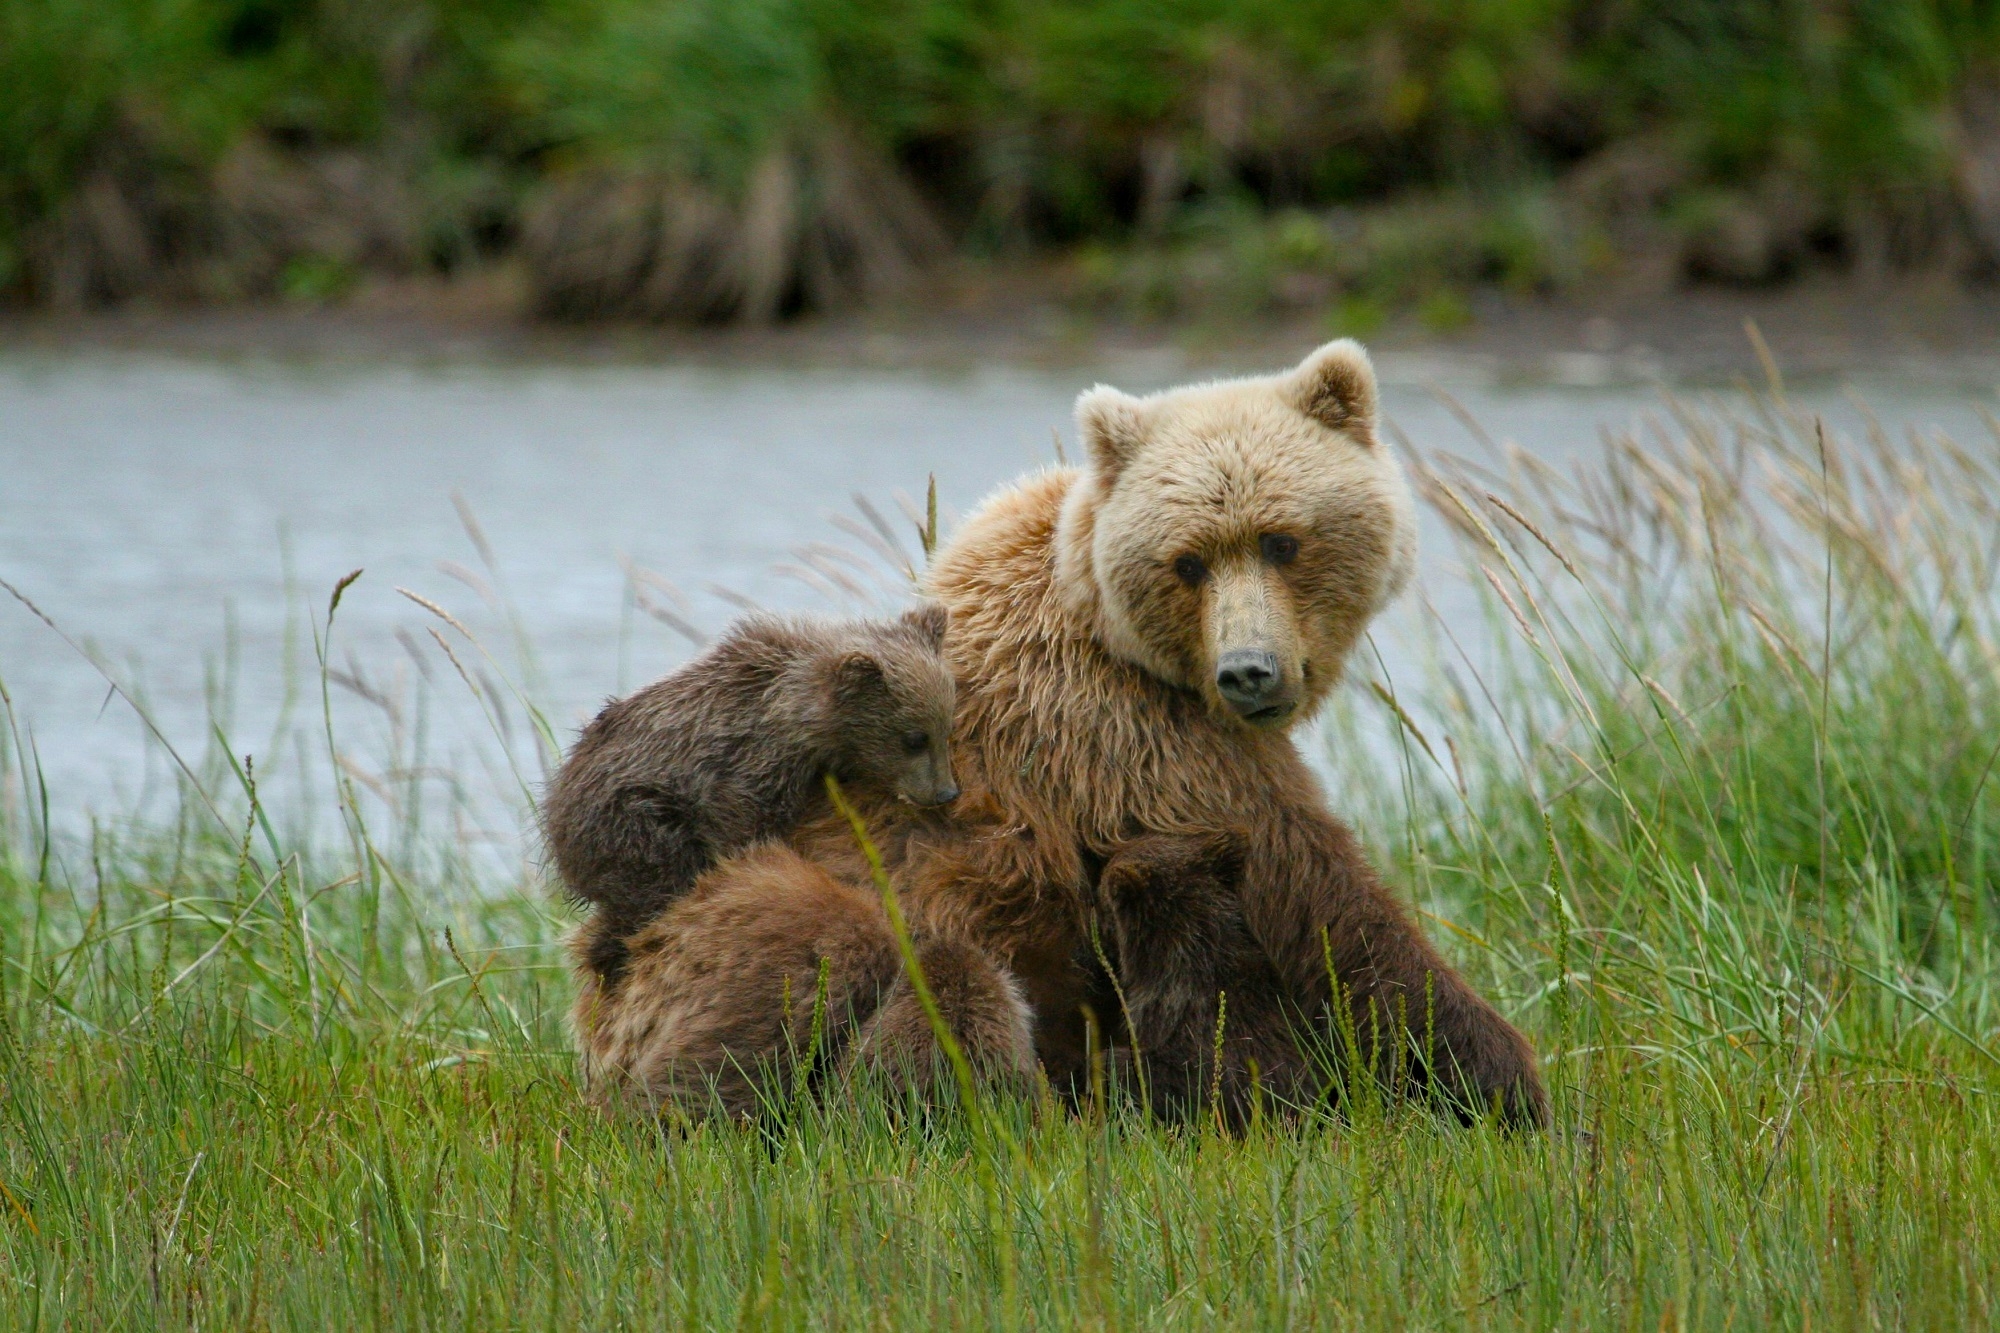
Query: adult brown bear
1133	643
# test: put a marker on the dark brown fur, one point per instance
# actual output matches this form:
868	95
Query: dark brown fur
1192	981
1192	976
732	749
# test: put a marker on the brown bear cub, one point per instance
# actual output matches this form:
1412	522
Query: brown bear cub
1187	965
732	750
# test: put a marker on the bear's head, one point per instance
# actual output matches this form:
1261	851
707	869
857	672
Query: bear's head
1235	538
888	705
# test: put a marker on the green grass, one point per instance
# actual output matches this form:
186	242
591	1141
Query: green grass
1715	819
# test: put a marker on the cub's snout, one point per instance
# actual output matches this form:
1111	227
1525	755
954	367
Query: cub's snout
929	783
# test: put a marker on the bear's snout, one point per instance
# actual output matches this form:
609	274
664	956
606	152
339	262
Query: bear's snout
1253	636
1251	681
929	781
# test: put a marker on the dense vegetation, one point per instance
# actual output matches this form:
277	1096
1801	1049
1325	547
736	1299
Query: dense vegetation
744	158
1710	806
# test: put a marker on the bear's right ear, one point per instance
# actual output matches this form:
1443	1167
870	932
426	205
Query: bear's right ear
1113	427
929	619
1335	386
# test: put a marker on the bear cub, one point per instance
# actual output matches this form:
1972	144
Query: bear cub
733	749
1185	958
1186	963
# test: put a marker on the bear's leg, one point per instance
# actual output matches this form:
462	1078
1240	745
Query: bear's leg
1313	901
1208	1014
765	968
979	1004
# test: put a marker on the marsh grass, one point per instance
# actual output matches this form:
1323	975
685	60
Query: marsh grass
1707	804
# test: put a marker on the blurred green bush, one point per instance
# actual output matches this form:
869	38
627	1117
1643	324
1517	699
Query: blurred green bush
716	159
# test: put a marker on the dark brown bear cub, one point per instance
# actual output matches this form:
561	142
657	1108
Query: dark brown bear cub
732	749
1186	964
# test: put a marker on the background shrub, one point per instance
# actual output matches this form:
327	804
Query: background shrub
700	159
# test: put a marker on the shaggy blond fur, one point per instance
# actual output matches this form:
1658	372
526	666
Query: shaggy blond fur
1091	711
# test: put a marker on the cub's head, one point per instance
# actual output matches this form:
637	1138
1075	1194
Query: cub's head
1158	869
1174	903
893	701
1235	538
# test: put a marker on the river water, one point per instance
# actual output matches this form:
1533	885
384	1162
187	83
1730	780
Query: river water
183	521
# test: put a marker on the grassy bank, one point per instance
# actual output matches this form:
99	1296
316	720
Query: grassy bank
745	159
1708	805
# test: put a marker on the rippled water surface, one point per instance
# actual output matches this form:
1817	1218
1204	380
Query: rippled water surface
180	519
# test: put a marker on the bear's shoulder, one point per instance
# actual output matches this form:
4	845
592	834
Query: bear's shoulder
1008	539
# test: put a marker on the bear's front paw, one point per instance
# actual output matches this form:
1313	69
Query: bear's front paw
1498	1075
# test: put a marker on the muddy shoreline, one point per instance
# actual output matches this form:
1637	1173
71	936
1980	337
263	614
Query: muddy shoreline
1933	331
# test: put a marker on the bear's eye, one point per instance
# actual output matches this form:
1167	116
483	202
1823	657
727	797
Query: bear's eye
916	742
1280	548
1190	570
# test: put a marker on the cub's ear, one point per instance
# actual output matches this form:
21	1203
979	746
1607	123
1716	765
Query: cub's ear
929	619
1113	426
1335	386
854	674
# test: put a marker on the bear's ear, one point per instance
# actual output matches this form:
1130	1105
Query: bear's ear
1335	386
854	674
1112	425
929	619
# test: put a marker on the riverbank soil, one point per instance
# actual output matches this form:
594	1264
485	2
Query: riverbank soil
1931	329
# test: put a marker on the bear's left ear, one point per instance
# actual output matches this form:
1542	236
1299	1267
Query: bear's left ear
855	675
1335	386
929	619
1113	427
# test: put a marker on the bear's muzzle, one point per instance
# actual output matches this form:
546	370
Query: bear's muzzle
1250	625
1252	682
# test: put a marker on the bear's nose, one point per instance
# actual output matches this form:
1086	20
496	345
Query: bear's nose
1246	678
